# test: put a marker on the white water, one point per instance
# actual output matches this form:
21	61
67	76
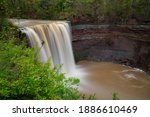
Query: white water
54	43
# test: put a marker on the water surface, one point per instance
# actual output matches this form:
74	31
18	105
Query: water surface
105	78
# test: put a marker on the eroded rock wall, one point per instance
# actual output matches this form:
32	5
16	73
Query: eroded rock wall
123	45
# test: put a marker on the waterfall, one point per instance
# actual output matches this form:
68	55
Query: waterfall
53	40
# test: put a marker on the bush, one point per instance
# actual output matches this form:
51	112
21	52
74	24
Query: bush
22	77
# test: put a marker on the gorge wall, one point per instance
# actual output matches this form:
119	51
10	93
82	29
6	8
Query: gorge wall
129	45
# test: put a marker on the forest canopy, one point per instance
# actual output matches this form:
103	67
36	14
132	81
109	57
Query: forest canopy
99	11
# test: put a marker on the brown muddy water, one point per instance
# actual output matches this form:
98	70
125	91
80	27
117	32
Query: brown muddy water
105	78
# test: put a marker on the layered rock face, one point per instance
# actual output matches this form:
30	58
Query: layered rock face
129	45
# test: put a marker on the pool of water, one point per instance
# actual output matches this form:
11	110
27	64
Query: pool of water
106	78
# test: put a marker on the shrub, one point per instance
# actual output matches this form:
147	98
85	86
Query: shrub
115	96
22	77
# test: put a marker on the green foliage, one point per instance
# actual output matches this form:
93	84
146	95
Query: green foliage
22	77
3	9
6	30
141	9
92	97
111	11
115	96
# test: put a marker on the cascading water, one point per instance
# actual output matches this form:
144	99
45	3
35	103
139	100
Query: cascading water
54	43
